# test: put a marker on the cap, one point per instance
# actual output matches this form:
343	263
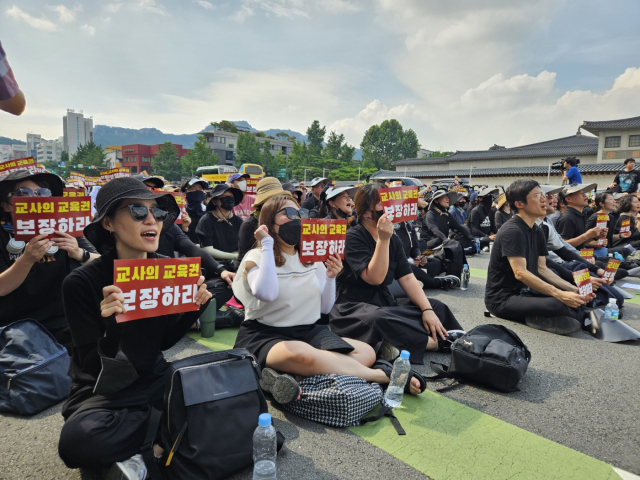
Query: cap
317	180
577	187
485	192
236	176
264	420
195	180
551	189
404	354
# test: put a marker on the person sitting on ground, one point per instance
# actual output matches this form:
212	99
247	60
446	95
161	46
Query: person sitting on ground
572	225
266	188
457	210
31	273
194	190
629	208
244	208
503	214
218	228
109	407
481	220
284	299
627	180
572	174
472	203
366	310
438	223
313	200
520	286
336	202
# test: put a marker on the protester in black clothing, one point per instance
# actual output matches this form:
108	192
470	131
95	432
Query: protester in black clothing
265	189
313	200
605	204
482	220
438	222
195	195
572	224
520	286
296	192
117	368
472	203
629	208
627	180
365	309
504	213
336	202
31	274
218	228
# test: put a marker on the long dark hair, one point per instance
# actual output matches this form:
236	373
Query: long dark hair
366	199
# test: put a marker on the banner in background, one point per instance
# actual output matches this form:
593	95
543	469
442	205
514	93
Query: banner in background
73	192
43	215
114	173
322	238
27	163
400	203
252	186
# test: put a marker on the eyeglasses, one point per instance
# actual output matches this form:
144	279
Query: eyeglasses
293	214
27	192
537	196
140	213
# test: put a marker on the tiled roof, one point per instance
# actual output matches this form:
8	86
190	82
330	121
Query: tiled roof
595	127
421	161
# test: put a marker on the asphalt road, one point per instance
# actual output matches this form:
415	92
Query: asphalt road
579	392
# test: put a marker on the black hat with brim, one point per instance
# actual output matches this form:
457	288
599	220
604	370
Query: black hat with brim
453	197
195	181
157	181
222	188
123	189
55	183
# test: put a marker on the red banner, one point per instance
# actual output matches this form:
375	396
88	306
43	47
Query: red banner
322	238
91	181
400	203
42	215
114	173
582	280
73	192
601	222
587	254
625	225
156	286
610	271
27	163
252	186
182	203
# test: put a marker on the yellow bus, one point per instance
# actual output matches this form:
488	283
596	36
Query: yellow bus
216	173
252	169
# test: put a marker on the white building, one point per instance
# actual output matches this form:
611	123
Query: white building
77	130
114	158
33	140
18	151
49	151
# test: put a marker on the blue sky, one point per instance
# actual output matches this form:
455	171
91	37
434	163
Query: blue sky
463	74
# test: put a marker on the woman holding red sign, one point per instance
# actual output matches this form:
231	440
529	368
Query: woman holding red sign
283	300
366	310
628	209
118	368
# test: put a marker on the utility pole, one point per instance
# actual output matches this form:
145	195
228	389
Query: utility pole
470	172
305	176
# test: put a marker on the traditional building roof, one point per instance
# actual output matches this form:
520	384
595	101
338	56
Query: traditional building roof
625	123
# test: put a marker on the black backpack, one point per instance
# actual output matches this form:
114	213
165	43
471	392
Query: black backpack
452	257
211	407
491	355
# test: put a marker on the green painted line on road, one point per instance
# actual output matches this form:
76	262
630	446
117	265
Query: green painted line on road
478	272
223	339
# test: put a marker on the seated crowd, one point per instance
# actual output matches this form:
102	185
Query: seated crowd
297	319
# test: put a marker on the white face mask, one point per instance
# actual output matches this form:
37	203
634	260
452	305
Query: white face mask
242	185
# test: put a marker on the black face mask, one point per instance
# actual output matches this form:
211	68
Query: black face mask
195	198
376	214
290	232
227	203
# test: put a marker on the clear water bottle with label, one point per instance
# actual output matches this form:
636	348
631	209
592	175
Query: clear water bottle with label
265	449
611	311
399	376
464	281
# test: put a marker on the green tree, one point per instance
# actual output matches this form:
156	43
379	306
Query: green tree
409	144
64	156
199	156
225	126
261	134
438	153
282	135
315	138
384	144
247	149
337	148
87	155
167	163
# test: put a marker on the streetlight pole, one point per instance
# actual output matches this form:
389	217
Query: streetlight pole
470	172
305	176
358	174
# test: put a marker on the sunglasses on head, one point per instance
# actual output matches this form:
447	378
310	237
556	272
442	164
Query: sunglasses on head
27	192
293	213
140	213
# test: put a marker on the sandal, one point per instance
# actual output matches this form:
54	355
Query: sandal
387	367
282	386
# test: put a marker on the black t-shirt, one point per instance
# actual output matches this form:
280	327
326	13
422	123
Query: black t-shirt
246	238
515	239
141	341
593	220
482	222
628	181
633	228
572	224
219	234
310	203
501	218
175	240
409	239
359	250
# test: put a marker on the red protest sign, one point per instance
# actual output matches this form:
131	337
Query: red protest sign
610	271
625	225
42	215
601	222
156	286
582	280
587	254
400	203
27	163
322	238
114	173
182	203
73	192
252	186
428	252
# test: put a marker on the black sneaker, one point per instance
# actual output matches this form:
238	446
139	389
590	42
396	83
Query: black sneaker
444	346
449	281
232	318
560	325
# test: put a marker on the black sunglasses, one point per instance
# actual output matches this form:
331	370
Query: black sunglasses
140	213
293	214
27	192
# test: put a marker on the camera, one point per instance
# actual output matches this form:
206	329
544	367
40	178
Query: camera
559	164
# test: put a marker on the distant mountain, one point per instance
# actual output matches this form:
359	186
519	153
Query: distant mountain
10	141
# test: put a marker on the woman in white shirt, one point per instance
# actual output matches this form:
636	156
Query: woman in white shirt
283	300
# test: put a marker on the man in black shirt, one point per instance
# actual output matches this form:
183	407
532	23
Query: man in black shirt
313	200
519	284
482	219
626	181
572	224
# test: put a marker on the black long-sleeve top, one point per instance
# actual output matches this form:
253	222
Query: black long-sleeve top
246	238
438	225
175	240
482	222
141	341
409	239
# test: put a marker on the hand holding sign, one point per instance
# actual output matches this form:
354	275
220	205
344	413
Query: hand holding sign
334	265
582	280
385	227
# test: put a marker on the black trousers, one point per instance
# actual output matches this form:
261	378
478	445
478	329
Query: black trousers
98	437
220	291
427	273
517	307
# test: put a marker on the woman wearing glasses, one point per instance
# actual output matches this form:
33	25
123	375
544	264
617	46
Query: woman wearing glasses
283	299
35	269
117	368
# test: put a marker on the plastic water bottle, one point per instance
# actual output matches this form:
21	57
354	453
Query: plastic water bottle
464	281
399	376
618	256
611	311
265	449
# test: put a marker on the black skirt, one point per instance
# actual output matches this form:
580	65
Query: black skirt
401	325
259	338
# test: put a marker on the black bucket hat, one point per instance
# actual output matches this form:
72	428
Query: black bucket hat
55	183
453	197
220	189
157	181
121	189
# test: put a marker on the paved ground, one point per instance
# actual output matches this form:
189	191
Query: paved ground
579	392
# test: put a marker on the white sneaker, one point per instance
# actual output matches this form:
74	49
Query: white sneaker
130	469
485	249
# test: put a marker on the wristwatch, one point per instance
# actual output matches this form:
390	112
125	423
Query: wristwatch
85	256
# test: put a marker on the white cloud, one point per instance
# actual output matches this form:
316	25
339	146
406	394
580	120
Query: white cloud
88	29
206	5
66	15
244	13
291	9
41	23
113	7
151	6
515	92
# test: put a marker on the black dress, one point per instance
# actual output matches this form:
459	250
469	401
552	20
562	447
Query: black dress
370	313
